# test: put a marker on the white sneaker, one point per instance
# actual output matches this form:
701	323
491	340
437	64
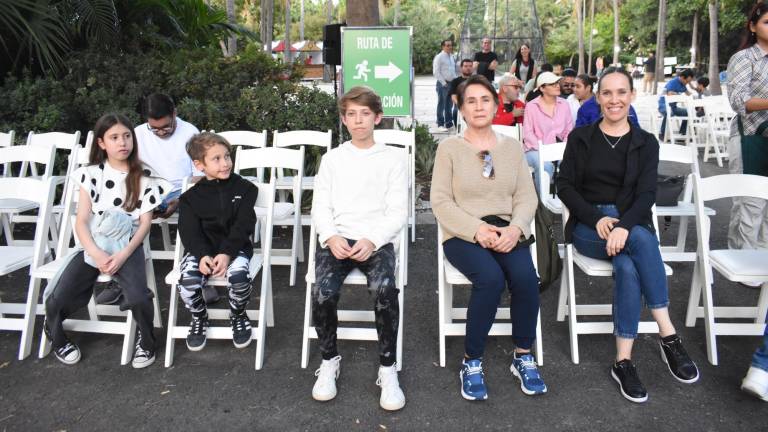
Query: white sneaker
441	129
392	397
756	383
325	386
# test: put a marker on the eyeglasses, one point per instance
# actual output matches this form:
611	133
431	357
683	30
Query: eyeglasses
564	85
165	130
488	171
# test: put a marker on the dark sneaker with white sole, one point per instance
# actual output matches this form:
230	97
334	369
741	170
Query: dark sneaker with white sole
69	354
242	334
625	375
196	336
142	357
109	295
679	363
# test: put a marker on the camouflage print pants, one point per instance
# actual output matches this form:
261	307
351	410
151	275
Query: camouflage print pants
330	273
192	281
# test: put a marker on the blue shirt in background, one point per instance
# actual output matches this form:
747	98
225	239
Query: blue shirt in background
589	112
675	86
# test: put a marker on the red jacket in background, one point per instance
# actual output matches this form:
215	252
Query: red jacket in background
506	118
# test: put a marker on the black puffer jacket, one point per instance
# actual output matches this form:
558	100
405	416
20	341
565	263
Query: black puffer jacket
217	216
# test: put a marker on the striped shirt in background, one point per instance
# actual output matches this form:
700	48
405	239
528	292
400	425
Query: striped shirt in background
748	78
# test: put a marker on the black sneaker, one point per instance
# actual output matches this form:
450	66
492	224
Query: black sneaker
196	336
210	295
142	357
109	295
625	374
68	354
679	363
241	330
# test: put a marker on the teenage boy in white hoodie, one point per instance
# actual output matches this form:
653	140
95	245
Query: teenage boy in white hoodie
358	208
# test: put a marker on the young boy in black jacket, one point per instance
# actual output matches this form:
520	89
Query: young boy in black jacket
216	222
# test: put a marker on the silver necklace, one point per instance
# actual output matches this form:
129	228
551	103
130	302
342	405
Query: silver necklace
613	146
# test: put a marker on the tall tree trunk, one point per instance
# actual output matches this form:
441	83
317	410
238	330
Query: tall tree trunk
229	47
301	22
580	5
267	24
591	34
661	35
695	38
329	12
615	31
287	41
396	13
714	59
363	13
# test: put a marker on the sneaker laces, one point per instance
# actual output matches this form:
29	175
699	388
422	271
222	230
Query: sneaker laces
66	349
328	368
240	322
197	327
139	351
528	366
677	349
387	378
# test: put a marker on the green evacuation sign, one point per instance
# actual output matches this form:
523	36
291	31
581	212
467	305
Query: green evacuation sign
380	58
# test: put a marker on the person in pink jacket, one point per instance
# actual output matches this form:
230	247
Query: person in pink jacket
547	120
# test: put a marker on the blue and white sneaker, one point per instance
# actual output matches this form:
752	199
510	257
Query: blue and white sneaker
524	368
473	380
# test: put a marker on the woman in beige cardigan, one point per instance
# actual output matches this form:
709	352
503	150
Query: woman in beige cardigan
483	197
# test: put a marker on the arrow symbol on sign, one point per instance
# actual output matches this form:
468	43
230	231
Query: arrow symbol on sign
389	72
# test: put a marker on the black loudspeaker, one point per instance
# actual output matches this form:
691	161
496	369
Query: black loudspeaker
332	44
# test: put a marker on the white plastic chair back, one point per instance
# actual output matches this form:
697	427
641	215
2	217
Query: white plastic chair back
406	140
510	131
549	153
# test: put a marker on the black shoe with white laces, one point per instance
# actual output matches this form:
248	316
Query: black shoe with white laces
241	330
142	357
196	335
68	354
625	374
676	357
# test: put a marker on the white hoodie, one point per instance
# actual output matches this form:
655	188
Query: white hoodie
361	193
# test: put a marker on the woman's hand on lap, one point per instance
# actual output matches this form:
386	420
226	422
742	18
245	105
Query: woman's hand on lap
604	226
486	235
616	241
508	238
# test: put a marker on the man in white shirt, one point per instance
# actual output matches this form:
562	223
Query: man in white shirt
444	71
163	146
358	208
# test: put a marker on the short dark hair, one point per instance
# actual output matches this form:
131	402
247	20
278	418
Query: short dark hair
466	60
199	144
586	80
569	73
158	105
686	73
546	67
445	41
615	70
475	80
704	81
361	95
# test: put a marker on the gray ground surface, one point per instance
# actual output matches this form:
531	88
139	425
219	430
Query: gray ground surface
219	389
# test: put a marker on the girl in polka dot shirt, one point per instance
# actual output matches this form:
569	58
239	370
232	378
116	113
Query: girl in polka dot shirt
114	181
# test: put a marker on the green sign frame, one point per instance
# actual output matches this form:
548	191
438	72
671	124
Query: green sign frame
380	58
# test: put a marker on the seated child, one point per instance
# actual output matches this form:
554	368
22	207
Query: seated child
359	207
216	222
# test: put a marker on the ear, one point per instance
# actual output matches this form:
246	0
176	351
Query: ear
199	165
378	118
101	144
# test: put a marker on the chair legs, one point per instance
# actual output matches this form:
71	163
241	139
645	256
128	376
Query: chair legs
28	324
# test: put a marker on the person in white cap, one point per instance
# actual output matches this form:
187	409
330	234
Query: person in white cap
547	120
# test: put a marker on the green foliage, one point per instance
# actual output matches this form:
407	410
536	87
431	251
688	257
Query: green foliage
426	146
31	32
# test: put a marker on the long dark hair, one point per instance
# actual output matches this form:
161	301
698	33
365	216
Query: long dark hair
99	156
757	12
519	61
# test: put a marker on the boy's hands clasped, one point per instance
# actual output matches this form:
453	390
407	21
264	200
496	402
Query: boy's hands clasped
499	239
216	266
340	248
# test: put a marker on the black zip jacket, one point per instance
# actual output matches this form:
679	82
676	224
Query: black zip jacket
217	216
638	193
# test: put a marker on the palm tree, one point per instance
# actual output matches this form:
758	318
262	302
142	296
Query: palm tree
615	31
267	23
363	13
660	37
580	5
714	60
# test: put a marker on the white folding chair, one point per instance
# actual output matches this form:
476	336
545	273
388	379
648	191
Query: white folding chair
125	325
407	141
736	265
315	142
718	128
447	277
14	257
675	122
246	140
549	153
510	131
685	208
6	140
285	213
567	299
44	154
355	277
259	262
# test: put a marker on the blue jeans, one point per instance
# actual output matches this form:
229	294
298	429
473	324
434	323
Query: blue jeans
445	111
677	112
532	157
490	272
760	358
638	271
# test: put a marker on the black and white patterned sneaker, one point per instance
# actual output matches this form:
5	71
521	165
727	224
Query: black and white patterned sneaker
142	357
241	330
68	354
196	335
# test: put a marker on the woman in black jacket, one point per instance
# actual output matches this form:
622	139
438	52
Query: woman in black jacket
608	182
